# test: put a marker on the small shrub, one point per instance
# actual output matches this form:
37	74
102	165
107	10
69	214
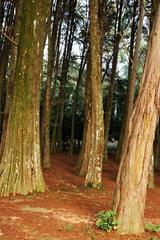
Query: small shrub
69	227
106	220
154	238
152	227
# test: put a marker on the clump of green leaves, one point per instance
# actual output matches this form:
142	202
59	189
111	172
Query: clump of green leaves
154	238
152	227
69	227
107	220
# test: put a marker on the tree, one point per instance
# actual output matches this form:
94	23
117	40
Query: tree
132	75
69	37
21	167
52	42
11	70
130	193
113	76
94	130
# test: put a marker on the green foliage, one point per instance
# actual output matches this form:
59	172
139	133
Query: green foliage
107	220
69	227
154	238
152	227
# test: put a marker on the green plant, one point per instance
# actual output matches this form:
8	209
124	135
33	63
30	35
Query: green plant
107	220
154	238
152	227
69	227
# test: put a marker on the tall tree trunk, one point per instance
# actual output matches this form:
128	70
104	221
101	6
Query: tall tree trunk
10	83
75	97
130	193
87	135
58	126
21	166
131	86
52	42
7	28
94	137
112	81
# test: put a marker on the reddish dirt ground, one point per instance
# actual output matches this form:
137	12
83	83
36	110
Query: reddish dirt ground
67	210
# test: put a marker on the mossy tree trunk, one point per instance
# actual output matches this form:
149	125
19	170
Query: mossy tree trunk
21	166
132	180
94	136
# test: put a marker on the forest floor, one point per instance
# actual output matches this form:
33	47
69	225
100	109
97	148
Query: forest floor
67	210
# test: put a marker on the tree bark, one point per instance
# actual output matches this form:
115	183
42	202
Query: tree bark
94	137
58	126
131	86
52	41
130	193
21	166
75	96
12	67
112	81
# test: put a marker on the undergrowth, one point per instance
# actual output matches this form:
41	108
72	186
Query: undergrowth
107	220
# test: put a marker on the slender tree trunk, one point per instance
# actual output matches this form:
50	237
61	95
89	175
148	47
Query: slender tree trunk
21	166
75	98
131	86
58	126
112	82
87	135
130	193
52	41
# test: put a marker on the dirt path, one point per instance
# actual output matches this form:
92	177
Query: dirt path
67	210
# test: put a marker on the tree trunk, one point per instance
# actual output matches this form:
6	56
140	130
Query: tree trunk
58	126
94	137
21	166
131	86
52	40
12	67
75	97
130	193
7	27
112	82
87	136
